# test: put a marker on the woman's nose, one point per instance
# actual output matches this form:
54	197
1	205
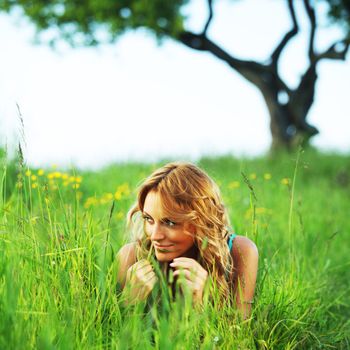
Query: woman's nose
157	232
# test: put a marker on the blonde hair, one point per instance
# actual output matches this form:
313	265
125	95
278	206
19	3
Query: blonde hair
190	195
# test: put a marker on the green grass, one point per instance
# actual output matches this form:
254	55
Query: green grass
58	273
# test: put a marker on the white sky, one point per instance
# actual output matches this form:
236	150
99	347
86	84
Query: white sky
136	100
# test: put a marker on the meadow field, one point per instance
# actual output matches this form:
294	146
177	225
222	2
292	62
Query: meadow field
61	229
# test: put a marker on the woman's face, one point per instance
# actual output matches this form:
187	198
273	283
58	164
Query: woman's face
170	239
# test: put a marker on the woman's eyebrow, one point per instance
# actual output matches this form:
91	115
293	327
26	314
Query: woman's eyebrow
163	219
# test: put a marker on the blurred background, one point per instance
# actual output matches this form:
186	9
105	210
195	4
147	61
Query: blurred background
97	82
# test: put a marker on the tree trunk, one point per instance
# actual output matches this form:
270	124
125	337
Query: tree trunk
288	110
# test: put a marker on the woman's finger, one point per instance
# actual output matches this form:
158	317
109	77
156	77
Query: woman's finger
189	274
144	274
183	262
145	269
149	284
142	264
187	263
152	280
150	275
137	271
197	270
188	285
196	282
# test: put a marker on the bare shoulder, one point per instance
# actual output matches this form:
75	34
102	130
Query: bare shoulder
245	263
244	249
126	257
127	251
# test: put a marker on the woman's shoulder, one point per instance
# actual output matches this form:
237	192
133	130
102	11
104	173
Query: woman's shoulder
244	247
127	253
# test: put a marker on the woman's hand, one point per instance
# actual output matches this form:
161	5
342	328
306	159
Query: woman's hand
139	282
194	276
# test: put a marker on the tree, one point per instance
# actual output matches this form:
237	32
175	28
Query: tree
90	22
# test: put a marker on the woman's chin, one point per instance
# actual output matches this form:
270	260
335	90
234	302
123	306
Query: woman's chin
165	256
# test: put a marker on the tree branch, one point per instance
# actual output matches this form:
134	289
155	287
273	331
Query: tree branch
251	70
336	51
210	17
289	35
202	43
311	14
258	74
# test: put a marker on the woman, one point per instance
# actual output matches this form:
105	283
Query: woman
185	224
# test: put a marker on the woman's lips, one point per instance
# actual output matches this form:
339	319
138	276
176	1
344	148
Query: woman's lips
158	246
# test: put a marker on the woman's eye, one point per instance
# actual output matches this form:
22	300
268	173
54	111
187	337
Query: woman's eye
147	218
170	223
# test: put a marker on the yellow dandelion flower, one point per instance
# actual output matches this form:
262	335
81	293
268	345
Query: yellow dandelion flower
267	176
75	186
258	211
41	172
57	174
108	196
117	196
71	178
65	176
124	189
285	181
234	184
28	173
79	179
33	177
252	176
34	185
90	201
50	176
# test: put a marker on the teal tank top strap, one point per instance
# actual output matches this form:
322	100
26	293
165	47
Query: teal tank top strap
230	241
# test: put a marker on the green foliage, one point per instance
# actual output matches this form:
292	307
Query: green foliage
339	11
89	22
58	272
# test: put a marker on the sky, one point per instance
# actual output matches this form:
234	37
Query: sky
137	100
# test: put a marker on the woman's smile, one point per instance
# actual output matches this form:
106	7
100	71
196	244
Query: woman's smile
163	246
